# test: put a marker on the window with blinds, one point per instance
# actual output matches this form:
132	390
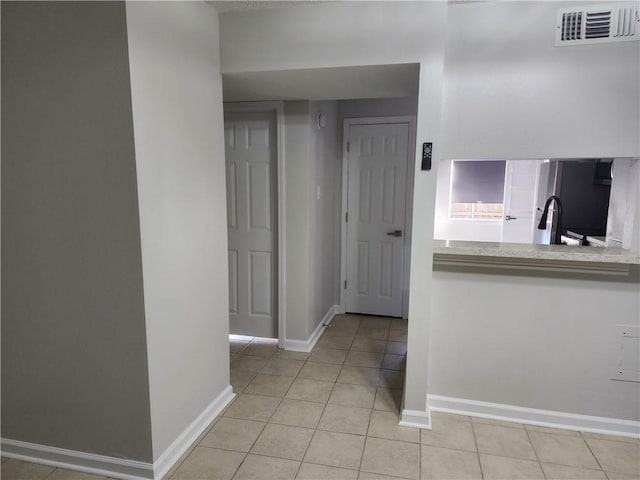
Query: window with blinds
477	189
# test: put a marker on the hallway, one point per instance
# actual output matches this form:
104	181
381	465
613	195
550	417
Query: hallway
333	414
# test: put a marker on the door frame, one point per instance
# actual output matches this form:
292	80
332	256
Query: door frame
411	154
507	187
278	108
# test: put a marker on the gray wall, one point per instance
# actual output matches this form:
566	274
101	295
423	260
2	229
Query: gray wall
377	107
74	356
325	165
296	147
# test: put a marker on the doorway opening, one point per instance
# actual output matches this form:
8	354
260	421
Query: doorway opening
254	166
314	104
377	193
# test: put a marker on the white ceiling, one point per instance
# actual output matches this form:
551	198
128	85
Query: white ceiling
372	81
242	5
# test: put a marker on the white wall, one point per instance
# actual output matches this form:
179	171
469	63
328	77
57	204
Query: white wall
325	166
634	235
622	221
511	93
538	340
359	33
504	82
330	35
448	229
176	92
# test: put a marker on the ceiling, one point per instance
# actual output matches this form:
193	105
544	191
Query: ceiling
240	6
337	83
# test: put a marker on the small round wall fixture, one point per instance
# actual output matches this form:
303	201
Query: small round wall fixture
321	120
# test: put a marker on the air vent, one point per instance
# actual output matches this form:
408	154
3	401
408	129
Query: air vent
614	22
571	26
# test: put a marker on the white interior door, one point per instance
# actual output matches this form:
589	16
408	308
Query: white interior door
376	202
250	145
520	183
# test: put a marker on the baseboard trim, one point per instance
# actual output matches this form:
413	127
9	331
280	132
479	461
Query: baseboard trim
533	416
181	444
307	345
415	418
117	467
75	460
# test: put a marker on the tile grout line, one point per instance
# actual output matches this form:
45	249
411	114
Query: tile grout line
475	442
48	475
535	453
592	453
313	435
366	435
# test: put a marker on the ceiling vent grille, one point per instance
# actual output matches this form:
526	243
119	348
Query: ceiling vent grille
614	22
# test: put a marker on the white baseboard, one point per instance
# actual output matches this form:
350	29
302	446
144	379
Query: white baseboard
117	467
415	418
307	345
74	460
533	416
181	444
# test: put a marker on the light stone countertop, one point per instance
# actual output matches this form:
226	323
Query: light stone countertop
560	253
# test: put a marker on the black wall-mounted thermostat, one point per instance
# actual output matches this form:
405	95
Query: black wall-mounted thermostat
426	155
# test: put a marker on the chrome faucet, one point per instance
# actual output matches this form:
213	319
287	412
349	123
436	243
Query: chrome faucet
557	240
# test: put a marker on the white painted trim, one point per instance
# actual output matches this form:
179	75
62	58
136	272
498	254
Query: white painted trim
415	418
181	444
118	467
408	228
74	460
533	416
307	345
411	154
278	108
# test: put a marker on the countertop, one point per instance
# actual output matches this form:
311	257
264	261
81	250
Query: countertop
603	260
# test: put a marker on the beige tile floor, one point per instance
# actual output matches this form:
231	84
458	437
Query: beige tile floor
333	414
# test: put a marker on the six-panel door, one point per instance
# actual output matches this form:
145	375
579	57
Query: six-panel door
250	145
377	179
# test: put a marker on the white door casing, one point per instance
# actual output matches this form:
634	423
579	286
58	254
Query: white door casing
520	188
377	173
250	146
547	183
